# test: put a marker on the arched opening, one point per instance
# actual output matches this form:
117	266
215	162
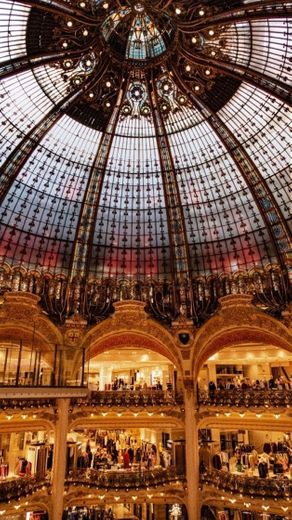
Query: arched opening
131	332
239	323
253	366
130	368
29	342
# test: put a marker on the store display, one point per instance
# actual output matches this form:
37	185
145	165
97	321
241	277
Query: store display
119	450
37	515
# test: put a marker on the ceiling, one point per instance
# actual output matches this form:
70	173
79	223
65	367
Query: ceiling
128	359
144	139
256	354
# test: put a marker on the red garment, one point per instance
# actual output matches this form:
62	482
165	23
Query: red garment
126	459
3	470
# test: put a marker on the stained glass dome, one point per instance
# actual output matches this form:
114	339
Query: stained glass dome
144	140
135	35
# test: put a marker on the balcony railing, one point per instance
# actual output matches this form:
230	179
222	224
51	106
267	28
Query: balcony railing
279	487
124	479
26	404
13	489
198	298
130	398
247	398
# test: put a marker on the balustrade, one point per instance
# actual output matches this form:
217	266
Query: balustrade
248	398
93	300
130	398
124	479
25	404
15	488
279	487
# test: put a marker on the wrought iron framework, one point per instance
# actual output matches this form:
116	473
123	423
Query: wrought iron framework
145	151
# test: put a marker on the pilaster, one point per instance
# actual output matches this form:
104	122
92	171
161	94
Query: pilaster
192	458
59	462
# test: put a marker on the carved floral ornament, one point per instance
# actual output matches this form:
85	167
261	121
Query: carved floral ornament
130	326
31	321
236	321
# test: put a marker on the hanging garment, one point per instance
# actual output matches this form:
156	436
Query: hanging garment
126	460
3	470
217	463
267	447
263	469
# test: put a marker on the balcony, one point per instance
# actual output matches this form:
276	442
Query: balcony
124	479
15	488
279	487
130	398
247	398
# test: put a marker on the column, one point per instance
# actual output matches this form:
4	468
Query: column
105	376
192	450
60	456
144	512
13	453
212	372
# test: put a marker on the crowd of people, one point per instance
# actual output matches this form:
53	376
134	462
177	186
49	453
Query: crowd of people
279	383
88	513
121	384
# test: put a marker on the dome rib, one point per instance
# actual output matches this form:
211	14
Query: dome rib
262	195
259	80
179	249
83	242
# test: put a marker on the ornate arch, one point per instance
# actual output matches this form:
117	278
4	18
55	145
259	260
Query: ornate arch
130	326
19	425
237	322
22	318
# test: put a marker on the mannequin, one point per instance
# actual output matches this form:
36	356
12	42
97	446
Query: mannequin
263	467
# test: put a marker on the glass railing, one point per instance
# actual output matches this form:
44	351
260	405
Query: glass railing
279	487
32	366
247	398
124	479
15	488
129	398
